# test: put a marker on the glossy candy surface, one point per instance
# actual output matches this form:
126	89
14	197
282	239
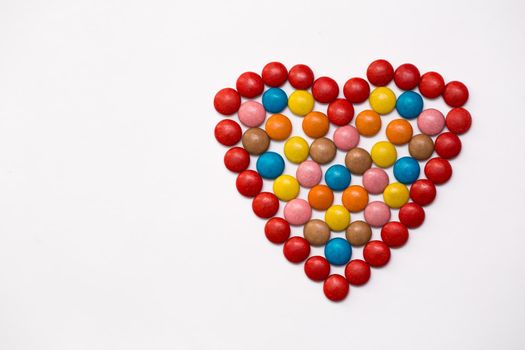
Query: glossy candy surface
337	218
458	120
227	101
412	215
382	100
376	253
384	154
286	187
237	159
265	205
325	89
270	165
338	251
396	195
409	104
296	249
297	212
309	173
431	85
228	132
301	102
380	73
274	100
317	268
274	74
423	192
377	214
336	287
455	94
407	76
320	197
316	124
431	122
337	177
296	149
277	230
278	127
301	77
356	90
249	183
346	137
394	234
406	170
438	170
250	84
340	112
357	272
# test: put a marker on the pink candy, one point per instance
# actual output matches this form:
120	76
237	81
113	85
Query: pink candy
309	173
346	137
297	212
375	180
377	214
431	122
252	114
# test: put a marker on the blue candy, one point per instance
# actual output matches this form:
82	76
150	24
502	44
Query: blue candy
406	170
270	165
409	105
338	251
337	177
274	100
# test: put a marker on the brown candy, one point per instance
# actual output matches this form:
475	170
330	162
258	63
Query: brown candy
255	141
358	233
421	147
323	150
316	232
358	161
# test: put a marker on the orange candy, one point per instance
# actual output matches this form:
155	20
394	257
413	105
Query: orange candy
278	127
320	197
316	124
368	122
355	198
399	131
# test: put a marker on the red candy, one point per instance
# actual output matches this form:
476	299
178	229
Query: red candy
325	89
356	90
336	287
340	112
250	84
411	215
277	230
265	205
301	77
376	253
394	234
249	183
458	120
274	74
317	268
423	192
431	85
438	170
380	73
296	249
447	145
237	159
357	272
407	76
228	132
455	94
227	101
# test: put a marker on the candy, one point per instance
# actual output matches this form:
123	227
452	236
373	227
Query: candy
376	253
356	90
406	76
383	154
296	149
396	195
323	150
358	233
382	100
296	249
357	160
406	170
448	145
265	205
250	85
316	124
277	230
431	122
337	218
274	100
380	73
368	122
377	214
338	251
438	170
375	180
346	137
270	165
423	192
394	234
317	268
409	104
255	141
228	132
337	177
458	120
421	147
340	112
237	159
297	212
249	183
278	127
325	89
411	215
320	197
301	77
336	287
355	198
316	232
286	187
252	114
357	272
301	102
431	85
309	173
455	94
399	131
227	101
274	74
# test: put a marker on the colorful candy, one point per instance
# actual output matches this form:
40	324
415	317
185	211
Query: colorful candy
296	149
399	131
431	122
286	187
448	145
297	212
380	73
270	165
338	251
438	170
274	74
358	233
237	159
458	120
377	214
317	268
411	215
323	150
375	180
384	154
368	122
357	272
316	232
336	287
421	147
357	160
325	89
340	112
301	102
382	100
406	170
278	127
394	234
316	124
423	192
409	104
396	195
356	90
406	76
455	94
376	253
346	137
274	100
337	177
337	218
301	77
296	249
431	85
265	205
250	85
355	198
227	101
309	173
249	183
228	132
320	197
255	141
277	230
252	114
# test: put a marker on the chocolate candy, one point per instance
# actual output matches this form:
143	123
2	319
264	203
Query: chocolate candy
358	161
255	141
323	150
358	233
421	147
316	232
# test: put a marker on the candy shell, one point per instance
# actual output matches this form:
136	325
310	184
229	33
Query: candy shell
375	180
346	137
250	85
297	212
356	90
309	173
265	205
380	72
377	214
296	149
278	127
270	165
301	102
296	249
336	287
431	85
277	230
368	122
274	100
286	187
376	253
421	147
382	100
320	197
301	77
317	268
458	120
337	217
383	154
357	272
316	124
227	101
396	195
357	160
431	122
338	251
409	104
316	232
323	150
337	177
358	233
274	74
325	89
406	170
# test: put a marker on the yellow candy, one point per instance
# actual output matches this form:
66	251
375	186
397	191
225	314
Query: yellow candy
337	217
396	195
296	149
286	187
384	154
301	102
382	100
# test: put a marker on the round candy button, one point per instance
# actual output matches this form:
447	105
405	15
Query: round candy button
250	85
228	132
375	180
377	214
309	173
458	120
325	89
301	102
317	268
394	234
448	145
431	85
296	249
406	170
357	160
227	101
296	149
336	287
380	73
406	76
249	183
337	217
396	195
356	90
297	212
382	100
265	205
357	272
431	122
438	170
411	215
255	141
270	165
337	177
301	77
338	251
316	232
455	94
237	159
274	74
409	104
346	137
274	100
278	127
320	197
340	112
277	230
376	253
316	124
286	187
383	154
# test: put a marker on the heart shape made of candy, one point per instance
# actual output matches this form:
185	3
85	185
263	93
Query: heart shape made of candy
339	197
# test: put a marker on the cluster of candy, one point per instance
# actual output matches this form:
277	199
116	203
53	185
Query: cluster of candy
358	161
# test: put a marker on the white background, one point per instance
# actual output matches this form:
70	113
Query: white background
120	228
